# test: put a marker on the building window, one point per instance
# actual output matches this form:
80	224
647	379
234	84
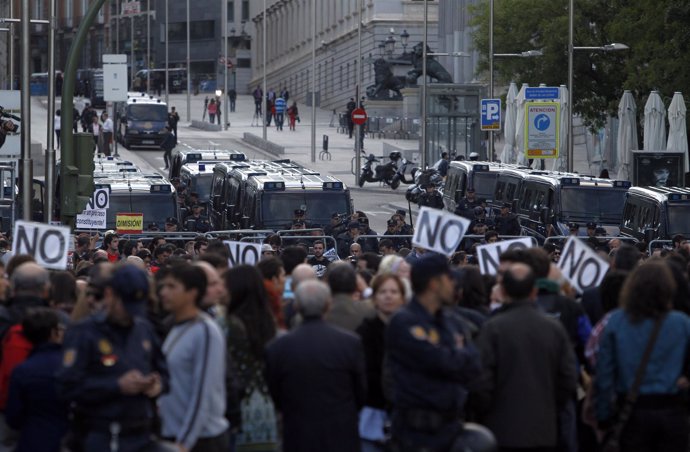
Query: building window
341	76
231	11
244	63
245	9
200	29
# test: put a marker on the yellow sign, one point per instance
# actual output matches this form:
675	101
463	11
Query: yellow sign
129	223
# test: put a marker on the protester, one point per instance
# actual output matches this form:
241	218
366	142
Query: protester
344	311
317	379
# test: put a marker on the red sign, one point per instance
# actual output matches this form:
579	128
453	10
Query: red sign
359	116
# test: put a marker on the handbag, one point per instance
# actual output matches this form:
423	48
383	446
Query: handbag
612	442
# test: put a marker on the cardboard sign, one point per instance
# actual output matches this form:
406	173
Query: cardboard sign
488	255
48	244
129	223
99	200
243	253
439	230
91	219
581	265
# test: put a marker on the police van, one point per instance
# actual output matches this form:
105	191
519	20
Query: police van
198	177
182	157
141	121
652	213
151	195
548	203
269	201
229	183
481	176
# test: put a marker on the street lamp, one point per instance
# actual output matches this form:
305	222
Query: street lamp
389	44
404	37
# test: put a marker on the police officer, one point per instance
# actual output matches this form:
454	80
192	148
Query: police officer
507	222
431	361
465	207
113	367
431	197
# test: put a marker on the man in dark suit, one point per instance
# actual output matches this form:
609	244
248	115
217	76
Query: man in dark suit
317	378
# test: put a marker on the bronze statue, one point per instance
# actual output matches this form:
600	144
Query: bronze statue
385	81
434	69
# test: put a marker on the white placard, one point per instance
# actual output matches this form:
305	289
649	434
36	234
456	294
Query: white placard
243	253
99	200
581	265
439	230
49	245
488	255
91	219
115	82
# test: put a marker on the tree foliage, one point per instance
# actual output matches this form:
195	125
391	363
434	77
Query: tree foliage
656	32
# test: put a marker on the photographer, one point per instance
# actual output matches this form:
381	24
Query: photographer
6	126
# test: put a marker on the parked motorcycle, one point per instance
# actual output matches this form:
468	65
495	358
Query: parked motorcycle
381	173
401	174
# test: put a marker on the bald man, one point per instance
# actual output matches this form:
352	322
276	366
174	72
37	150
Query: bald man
216	293
301	273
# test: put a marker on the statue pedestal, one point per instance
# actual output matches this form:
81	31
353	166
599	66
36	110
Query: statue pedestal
384	108
411	107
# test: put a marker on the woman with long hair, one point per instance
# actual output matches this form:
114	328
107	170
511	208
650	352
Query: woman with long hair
250	326
658	421
388	296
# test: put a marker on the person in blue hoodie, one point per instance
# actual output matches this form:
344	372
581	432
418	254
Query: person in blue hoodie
33	406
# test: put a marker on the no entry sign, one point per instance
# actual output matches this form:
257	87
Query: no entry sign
359	116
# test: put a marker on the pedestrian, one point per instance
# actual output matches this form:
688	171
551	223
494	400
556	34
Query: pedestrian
442	164
250	326
193	412
107	133
345	312
212	110
641	365
57	124
33	407
317	378
58	84
279	106
428	405
96	131
203	116
273	273
258	95
76	118
529	367
285	94
270	112
232	98
388	295
113	368
293	115
349	108
218	110
173	119
271	95
168	144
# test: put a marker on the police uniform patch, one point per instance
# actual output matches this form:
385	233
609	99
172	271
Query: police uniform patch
104	347
418	333
69	357
434	337
108	360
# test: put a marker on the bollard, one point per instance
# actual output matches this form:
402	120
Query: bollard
325	142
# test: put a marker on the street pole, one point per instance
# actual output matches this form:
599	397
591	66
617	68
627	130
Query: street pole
25	163
571	50
189	72
167	75
358	143
491	72
264	105
225	69
131	45
423	100
148	45
50	151
313	81
11	45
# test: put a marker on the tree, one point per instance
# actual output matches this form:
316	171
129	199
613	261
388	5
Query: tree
656	33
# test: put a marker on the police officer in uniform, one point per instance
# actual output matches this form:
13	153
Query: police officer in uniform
112	370
465	207
431	197
431	360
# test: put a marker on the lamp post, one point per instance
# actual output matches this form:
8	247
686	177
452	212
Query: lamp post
263	45
224	18
404	37
313	81
189	71
423	134
148	45
167	38
358	67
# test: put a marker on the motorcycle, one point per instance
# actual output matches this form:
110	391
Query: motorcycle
401	174
381	173
422	178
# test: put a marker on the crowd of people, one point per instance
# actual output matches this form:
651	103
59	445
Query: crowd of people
100	127
162	344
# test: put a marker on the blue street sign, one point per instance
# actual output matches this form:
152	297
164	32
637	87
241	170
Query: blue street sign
491	114
545	93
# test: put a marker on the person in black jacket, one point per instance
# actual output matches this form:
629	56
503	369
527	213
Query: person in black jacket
507	222
317	379
169	143
431	197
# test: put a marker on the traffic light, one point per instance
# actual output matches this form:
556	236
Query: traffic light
76	175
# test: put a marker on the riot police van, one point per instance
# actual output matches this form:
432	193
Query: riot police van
481	176
269	201
141	121
182	157
229	183
548	203
150	195
656	213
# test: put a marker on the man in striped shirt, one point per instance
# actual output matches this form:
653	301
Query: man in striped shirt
280	105
193	412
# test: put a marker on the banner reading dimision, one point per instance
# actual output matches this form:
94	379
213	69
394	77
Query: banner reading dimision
129	223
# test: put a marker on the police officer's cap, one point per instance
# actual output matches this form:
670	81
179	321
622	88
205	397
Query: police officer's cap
335	215
470	190
299	212
591	225
171	220
392	222
574	226
401	212
431	265
132	285
353	225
